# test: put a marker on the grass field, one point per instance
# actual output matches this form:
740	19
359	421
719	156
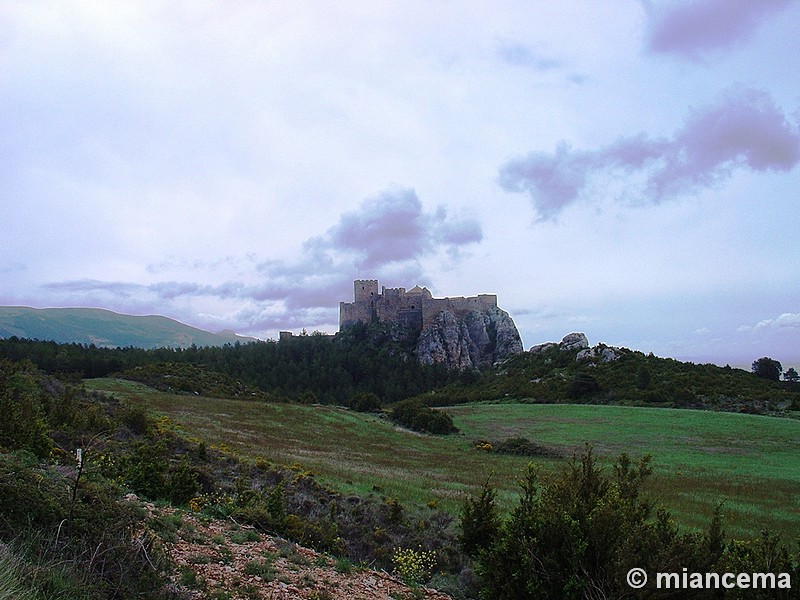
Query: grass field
700	458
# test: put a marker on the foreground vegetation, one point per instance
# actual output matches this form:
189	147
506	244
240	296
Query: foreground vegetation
68	532
217	438
581	533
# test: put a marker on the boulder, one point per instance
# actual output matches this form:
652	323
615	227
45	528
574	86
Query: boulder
600	353
571	341
542	347
574	341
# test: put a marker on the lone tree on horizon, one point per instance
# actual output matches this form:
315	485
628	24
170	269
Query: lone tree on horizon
767	368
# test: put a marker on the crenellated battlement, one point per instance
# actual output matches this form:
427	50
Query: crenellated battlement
415	308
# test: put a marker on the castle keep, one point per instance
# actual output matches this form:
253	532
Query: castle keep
416	308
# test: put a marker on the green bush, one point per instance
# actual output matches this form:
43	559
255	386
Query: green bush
577	535
135	419
522	446
22	406
480	520
268	513
415	415
30	495
574	536
583	385
365	402
182	483
146	471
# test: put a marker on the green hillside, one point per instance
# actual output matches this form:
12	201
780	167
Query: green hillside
368	492
631	378
700	458
104	328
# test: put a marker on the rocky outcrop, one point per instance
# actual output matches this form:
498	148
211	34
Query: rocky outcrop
579	342
571	341
574	341
600	353
474	340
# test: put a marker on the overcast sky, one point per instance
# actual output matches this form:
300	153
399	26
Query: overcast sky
624	168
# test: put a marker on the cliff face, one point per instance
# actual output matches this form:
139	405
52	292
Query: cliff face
474	340
459	332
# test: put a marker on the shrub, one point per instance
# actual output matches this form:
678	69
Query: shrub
22	406
183	483
480	521
415	415
413	566
146	471
579	534
583	385
32	496
269	514
521	446
365	402
135	419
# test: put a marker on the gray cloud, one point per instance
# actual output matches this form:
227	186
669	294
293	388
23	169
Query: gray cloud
392	227
11	268
696	27
114	288
743	130
519	55
385	237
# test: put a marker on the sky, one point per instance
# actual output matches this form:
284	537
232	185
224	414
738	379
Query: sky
623	168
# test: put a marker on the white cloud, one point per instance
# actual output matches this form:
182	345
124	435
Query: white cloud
784	321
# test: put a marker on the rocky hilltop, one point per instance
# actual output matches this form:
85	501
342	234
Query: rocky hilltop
460	332
579	341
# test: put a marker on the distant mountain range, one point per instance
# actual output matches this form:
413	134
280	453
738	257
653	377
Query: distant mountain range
105	328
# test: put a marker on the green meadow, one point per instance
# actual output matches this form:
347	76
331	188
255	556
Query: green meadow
700	458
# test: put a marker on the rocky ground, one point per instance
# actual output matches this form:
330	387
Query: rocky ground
223	560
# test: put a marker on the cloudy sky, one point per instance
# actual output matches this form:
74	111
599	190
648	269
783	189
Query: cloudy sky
624	168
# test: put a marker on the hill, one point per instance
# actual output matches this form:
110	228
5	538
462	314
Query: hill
572	372
700	457
364	493
105	328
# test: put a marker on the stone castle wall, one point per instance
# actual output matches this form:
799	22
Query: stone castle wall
415	308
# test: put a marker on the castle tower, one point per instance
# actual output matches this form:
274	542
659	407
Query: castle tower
365	290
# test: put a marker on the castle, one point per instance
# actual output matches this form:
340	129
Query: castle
416	308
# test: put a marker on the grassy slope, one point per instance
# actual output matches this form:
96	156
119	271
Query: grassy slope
700	457
104	328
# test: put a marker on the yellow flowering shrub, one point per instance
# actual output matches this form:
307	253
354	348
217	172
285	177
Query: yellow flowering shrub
413	566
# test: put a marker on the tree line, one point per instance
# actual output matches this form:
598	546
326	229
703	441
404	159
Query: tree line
316	367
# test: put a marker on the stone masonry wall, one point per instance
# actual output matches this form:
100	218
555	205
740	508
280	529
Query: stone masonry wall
414	308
